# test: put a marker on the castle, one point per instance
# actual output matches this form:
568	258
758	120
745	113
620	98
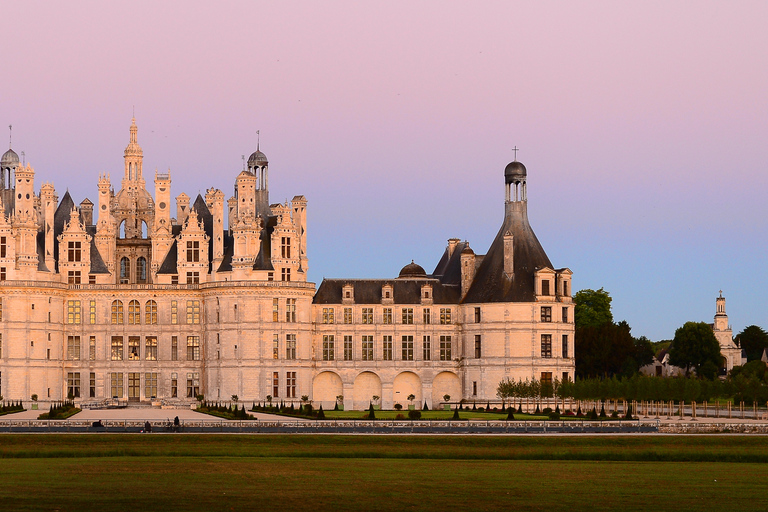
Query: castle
133	304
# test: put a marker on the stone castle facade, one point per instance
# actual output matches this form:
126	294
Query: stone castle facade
134	304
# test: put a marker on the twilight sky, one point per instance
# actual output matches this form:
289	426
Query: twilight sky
642	126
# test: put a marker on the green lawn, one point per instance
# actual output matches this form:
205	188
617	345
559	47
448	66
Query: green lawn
252	472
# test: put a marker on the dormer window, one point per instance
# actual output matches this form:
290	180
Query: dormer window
193	251
545	287
74	251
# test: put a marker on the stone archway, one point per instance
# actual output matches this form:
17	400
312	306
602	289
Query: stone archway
367	384
445	383
325	388
407	383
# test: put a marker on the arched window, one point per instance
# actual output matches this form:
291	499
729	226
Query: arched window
141	270
117	312
134	312
150	312
125	271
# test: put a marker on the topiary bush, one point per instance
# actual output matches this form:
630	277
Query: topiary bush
414	414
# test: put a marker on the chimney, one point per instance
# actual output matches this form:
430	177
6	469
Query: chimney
467	269
452	243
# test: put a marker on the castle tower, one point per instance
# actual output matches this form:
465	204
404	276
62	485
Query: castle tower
49	202
9	162
258	166
732	355
105	226
299	204
162	235
214	199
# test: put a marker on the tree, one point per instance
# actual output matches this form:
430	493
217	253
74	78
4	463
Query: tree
693	346
605	350
593	308
753	340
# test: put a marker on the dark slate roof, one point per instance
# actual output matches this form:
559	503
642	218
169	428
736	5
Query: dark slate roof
41	266
264	259
490	283
204	214
229	250
60	218
97	262
448	269
169	263
368	291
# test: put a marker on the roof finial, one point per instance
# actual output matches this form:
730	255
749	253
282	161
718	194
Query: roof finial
258	140
721	294
23	159
243	157
515	150
10	136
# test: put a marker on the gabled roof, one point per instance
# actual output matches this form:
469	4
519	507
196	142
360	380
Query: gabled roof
169	263
368	291
97	262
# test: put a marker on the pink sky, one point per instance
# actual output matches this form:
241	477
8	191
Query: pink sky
642	126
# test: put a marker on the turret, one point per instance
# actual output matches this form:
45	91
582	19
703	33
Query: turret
49	202
214	199
182	208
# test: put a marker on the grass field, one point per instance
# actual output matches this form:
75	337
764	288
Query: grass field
232	472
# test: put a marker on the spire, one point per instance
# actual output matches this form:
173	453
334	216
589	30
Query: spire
258	140
10	136
134	130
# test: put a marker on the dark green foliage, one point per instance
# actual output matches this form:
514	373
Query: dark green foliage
628	416
12	407
488	406
398	407
537	411
371	414
336	406
320	413
511	414
557	408
578	411
602	411
426	407
606	350
593	308
456	414
694	345
753	340
414	415
554	415
520	408
474	406
546	410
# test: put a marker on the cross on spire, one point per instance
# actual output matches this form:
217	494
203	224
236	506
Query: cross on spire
515	150
243	156
258	140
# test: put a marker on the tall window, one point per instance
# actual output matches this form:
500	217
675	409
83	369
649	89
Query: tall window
92	348
3	247
275	346
134	348
73	384
445	316
290	384
386	348
117	348
387	316
285	246
150	312
275	384
367	348
92	311
285	274
546	314
565	288
193	384
347	348
174	312
275	310
193	251
116	385
174	348
174	385
150	385
193	348
546	345
565	315
565	346
74	251
290	346
1	345
125	270
367	315
290	310
427	348
92	385
427	316
117	312
407	346
150	348
1	309
407	315
477	314
193	277
141	270
73	277
546	379
328	316
328	342
134	313
445	348
478	346
347	315
545	286
73	348
73	311
193	312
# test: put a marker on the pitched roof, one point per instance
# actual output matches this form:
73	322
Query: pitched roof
368	291
169	263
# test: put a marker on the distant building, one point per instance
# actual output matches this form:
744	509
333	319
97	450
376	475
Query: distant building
134	304
732	354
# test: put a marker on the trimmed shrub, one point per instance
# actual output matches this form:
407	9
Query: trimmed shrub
511	414
554	415
602	411
320	413
456	414
399	417
371	414
414	414
426	407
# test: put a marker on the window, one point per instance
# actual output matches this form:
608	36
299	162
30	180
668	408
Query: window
290	346
73	384
445	316
3	274
478	346
73	311
477	315
445	348
150	348
285	274
150	312
546	314
92	385
290	310
125	271
193	384
347	315
275	310
564	349
117	348
328	341
546	345
387	317
150	385
328	316
92	348
73	277
1	345
347	348
3	247
116	385
174	312
474	388
193	311
193	277
73	348
1	309
367	315
565	315
275	346
367	348
134	313
386	348
565	376
546	378
270	276
174	385
91	279
275	384
92	312
290	384
565	288
193	251
174	348
285	247
134	348
427	315
117	312
427	348
407	346
74	251
193	348
141	270
407	315
545	286
175	279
